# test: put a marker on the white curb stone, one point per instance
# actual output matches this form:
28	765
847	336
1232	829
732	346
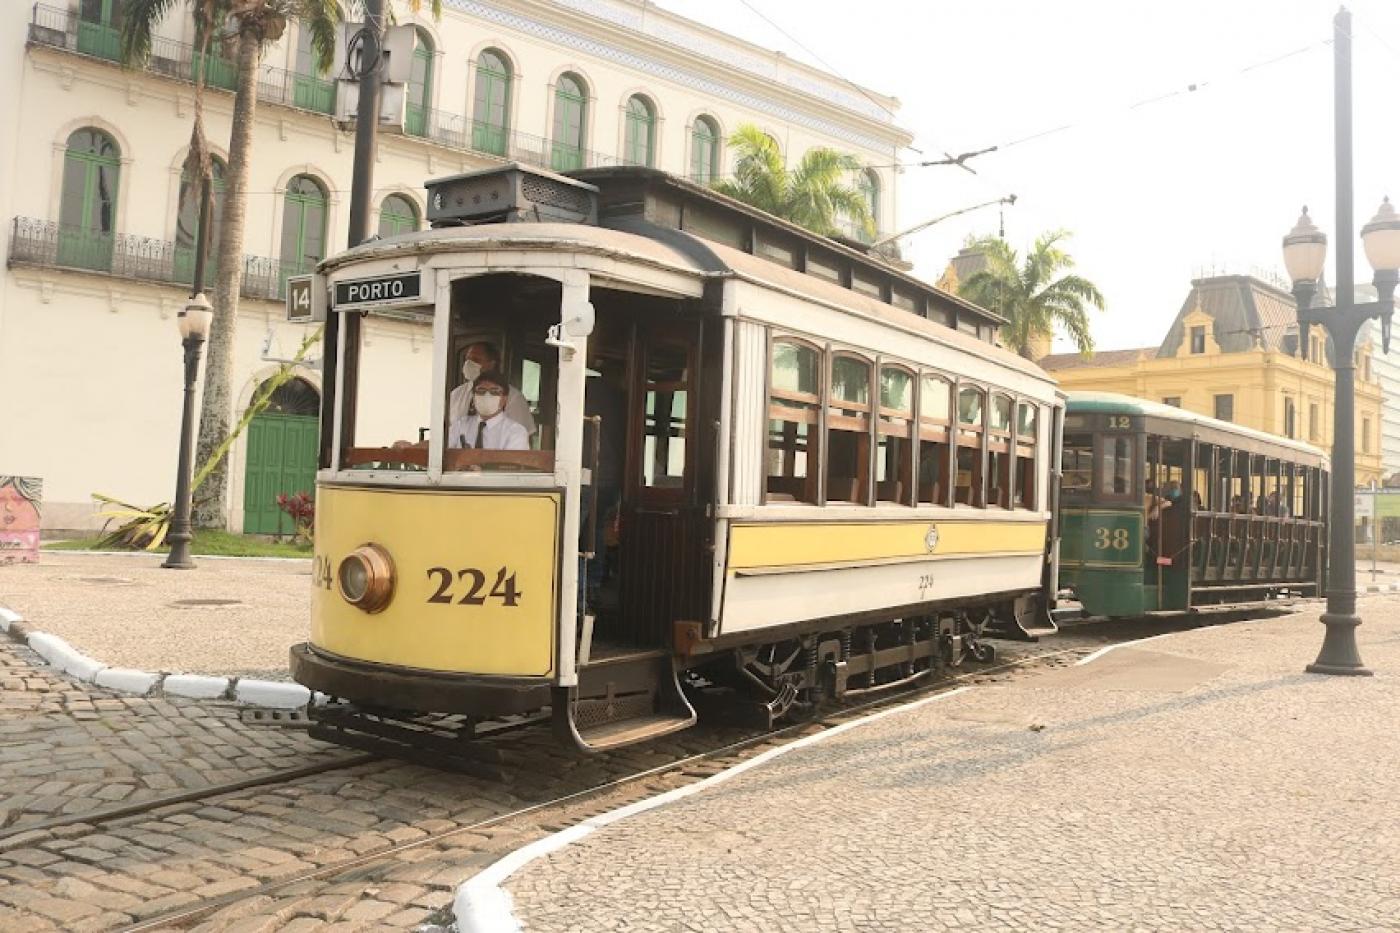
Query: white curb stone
127	680
195	686
64	656
269	693
8	618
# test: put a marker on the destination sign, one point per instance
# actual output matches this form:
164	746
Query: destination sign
405	288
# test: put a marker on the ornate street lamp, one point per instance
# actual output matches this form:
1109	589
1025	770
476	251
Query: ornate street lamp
1304	252
194	323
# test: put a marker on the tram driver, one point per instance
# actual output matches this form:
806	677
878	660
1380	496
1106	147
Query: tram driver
489	426
481	357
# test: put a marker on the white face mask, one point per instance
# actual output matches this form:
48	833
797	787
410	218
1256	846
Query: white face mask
487	405
470	369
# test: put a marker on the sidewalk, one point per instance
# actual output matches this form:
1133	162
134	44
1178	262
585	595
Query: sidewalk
1195	781
228	616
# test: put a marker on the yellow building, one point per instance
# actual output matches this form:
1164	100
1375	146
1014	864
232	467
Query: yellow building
1232	353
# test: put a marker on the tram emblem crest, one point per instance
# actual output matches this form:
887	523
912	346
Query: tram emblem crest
931	538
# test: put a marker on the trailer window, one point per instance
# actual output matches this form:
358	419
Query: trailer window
894	462
971	426
1077	464
1116	466
935	417
1024	485
794	413
848	431
999	452
666	417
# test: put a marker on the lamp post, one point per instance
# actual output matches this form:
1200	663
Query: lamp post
193	322
1304	252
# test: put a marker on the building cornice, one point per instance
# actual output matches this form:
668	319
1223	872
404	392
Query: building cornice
566	25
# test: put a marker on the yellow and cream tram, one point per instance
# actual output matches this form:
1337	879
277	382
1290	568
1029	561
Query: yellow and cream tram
803	472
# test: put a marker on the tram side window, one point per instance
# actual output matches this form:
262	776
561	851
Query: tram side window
848	431
894	463
999	452
935	420
1077	464
1024	485
1299	497
392	394
971	425
1116	466
794	413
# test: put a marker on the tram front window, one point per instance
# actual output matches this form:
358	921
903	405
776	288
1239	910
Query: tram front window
1077	464
392	387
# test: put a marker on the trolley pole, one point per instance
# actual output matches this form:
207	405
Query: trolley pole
370	42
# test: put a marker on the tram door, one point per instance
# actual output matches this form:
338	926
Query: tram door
662	529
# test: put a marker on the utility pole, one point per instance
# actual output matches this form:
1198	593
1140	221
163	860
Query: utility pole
369	44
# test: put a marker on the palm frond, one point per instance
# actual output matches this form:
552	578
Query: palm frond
140	18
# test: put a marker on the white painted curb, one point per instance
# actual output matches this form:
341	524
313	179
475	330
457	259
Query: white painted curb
1126	644
483	906
195	686
269	694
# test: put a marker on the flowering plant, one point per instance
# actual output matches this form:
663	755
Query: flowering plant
301	508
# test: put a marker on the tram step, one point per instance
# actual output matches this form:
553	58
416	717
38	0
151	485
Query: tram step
622	701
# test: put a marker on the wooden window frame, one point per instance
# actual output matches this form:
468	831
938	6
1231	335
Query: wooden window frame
930	429
865	481
909	417
816	461
1031	446
978	496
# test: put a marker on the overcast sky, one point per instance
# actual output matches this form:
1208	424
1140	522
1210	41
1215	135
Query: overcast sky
1154	194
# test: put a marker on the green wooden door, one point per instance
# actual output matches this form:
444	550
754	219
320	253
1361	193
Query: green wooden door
87	206
99	28
489	115
281	459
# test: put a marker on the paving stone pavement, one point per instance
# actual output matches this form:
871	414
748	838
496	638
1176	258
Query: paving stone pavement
70	748
1198	781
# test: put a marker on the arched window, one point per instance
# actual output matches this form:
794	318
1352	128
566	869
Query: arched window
999	451
1026	437
794	412
303	226
639	147
420	86
187	223
99	28
570	111
704	150
870	191
88	204
491	112
310	88
848	431
397	214
894	458
935	423
972	415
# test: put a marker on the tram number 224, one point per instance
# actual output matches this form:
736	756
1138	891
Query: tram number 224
470	583
1111	539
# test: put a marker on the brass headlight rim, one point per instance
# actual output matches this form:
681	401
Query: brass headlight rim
379	578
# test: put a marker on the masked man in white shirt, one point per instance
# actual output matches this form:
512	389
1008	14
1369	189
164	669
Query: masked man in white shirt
489	427
482	356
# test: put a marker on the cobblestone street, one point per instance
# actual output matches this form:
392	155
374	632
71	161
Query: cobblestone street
1198	781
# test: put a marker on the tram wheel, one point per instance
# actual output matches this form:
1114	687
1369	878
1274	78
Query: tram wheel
983	652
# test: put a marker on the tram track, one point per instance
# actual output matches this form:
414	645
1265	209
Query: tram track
677	772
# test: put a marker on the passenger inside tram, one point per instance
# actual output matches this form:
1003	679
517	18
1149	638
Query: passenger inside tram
488	425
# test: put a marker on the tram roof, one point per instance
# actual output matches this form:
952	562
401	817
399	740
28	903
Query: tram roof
676	251
1112	403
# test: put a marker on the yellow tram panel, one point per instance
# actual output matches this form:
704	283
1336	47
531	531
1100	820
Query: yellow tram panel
756	547
475	579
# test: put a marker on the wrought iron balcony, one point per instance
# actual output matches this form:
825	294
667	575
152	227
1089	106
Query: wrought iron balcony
47	244
454	131
63	29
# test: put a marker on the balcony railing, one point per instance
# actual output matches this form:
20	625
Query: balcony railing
62	29
48	244
458	132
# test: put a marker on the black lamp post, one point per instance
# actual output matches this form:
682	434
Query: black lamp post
1304	252
194	323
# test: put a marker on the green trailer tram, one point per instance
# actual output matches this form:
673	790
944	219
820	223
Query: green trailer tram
1240	515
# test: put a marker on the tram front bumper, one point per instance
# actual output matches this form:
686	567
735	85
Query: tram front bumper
414	690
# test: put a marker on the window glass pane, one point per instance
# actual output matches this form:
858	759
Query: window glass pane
74	202
1116	465
970	407
397	215
1001	413
794	368
1025	424
664	429
850	380
896	389
1077	463
934	402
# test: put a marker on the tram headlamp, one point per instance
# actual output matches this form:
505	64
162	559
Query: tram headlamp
366	578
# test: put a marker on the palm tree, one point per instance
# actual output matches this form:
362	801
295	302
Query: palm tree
814	195
249	27
1033	296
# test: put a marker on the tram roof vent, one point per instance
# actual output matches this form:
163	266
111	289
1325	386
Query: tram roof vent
512	193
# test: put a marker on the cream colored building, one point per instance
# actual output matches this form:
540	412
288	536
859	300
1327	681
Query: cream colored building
98	226
1232	353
